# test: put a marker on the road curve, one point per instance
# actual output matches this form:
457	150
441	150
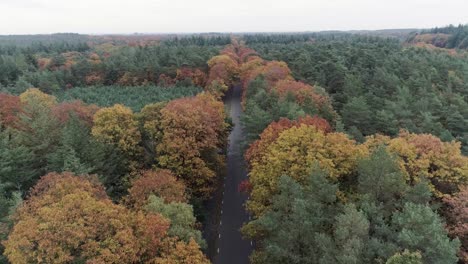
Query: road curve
232	249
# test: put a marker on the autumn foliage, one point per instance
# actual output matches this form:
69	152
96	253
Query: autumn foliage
456	213
180	252
194	129
293	152
117	125
69	218
426	156
271	133
10	107
64	111
223	68
161	183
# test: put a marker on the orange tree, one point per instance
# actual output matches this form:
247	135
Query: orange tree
161	183
70	219
194	130
271	133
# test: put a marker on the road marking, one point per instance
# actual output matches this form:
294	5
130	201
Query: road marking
221	211
218	250
222	202
219	235
220	222
251	243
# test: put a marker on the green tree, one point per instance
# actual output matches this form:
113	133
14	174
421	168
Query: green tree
290	228
358	113
421	229
17	170
183	222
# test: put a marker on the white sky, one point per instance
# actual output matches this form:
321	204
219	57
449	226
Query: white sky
154	16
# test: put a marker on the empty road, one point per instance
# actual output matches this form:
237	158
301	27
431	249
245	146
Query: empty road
232	249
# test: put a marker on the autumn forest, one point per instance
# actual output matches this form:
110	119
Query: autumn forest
118	148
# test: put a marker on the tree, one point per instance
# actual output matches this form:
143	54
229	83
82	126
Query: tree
16	164
455	211
351	234
358	113
223	69
405	258
272	132
36	99
194	130
117	125
304	95
272	71
217	88
293	153
181	252
38	130
290	228
161	183
151	128
426	156
381	180
10	108
70	219
421	229
64	111
183	222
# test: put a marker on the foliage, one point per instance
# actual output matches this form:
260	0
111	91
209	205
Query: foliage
67	220
117	125
427	156
10	108
161	183
293	153
271	133
378	84
183	222
308	221
456	214
194	130
181	252
405	258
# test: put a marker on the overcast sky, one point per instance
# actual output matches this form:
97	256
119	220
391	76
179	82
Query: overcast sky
153	16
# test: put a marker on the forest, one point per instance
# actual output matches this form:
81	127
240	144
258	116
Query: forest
114	148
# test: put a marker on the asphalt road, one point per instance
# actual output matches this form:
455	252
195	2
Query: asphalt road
232	249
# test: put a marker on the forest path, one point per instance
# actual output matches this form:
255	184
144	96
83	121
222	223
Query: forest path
232	249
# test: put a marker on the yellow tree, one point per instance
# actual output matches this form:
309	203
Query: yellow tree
181	253
426	156
223	68
294	153
117	125
34	96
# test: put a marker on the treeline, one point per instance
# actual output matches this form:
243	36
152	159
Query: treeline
120	66
134	97
59	62
63	42
450	37
379	86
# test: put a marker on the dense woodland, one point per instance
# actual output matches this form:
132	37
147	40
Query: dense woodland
355	145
